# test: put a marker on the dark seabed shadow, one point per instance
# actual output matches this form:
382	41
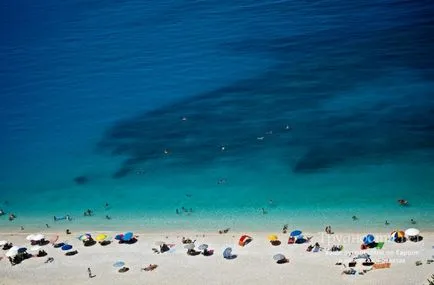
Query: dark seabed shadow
298	106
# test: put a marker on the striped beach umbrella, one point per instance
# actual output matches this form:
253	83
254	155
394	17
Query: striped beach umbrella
84	237
396	235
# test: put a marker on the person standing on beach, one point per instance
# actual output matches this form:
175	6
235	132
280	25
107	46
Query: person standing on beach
90	273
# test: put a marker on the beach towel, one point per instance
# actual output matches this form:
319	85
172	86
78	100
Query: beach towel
379	245
381	265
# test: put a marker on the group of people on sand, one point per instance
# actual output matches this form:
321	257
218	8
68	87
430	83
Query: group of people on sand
12	216
224	231
184	210
328	230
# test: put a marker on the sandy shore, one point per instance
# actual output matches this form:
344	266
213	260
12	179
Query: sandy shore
254	264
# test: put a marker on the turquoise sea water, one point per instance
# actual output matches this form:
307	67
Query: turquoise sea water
324	107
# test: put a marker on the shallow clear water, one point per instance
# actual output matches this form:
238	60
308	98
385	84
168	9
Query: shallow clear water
325	108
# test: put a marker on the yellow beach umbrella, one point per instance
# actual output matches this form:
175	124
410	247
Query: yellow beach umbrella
101	237
272	238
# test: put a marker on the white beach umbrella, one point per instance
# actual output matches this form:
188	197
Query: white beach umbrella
11	253
15	248
3	242
35	248
38	237
412	232
30	237
189	246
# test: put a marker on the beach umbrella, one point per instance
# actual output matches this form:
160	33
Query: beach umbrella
203	247
30	237
38	237
66	247
368	239
118	264
60	244
295	233
35	248
15	248
101	237
189	246
272	238
128	236
396	235
22	249
244	239
362	256
119	237
279	256
227	253
84	237
3	242
11	253
412	232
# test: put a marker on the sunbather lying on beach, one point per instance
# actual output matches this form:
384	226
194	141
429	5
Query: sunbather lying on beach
350	271
193	252
150	267
337	248
71	253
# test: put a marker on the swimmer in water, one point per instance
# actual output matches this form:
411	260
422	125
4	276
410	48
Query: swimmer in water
403	202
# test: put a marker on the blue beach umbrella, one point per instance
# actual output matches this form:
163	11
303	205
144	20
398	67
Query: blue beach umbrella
21	250
295	233
128	236
66	247
118	264
227	253
368	239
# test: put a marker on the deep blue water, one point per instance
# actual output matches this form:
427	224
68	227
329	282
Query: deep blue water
325	107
